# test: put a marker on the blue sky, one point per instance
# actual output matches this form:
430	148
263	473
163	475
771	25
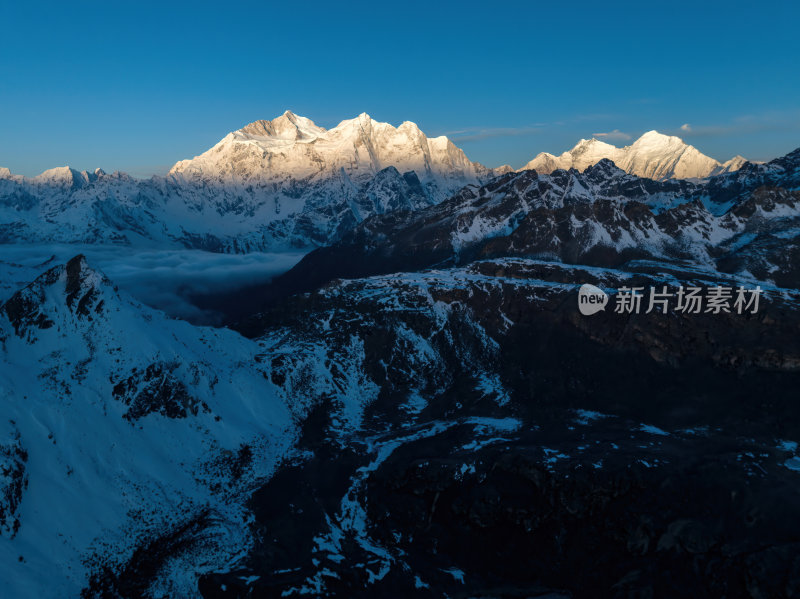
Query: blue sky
138	86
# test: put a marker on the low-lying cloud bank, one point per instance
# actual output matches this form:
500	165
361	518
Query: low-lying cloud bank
166	279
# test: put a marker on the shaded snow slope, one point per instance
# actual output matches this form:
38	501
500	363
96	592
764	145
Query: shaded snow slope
119	425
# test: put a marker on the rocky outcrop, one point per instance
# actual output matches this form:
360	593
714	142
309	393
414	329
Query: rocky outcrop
509	442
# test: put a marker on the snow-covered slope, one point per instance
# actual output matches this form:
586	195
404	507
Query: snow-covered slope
120	426
130	443
653	155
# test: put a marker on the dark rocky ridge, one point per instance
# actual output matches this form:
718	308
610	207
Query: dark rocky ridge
601	217
540	216
575	506
676	484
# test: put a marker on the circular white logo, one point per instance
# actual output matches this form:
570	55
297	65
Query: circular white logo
591	299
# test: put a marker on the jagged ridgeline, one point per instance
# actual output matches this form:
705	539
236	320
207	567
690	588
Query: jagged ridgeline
288	183
271	185
743	223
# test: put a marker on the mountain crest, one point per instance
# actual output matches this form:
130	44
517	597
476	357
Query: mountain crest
67	177
291	148
654	156
288	126
72	291
656	137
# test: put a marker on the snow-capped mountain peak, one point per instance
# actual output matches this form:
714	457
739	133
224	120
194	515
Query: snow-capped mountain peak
294	148
586	153
287	127
655	138
654	156
66	177
734	164
71	292
61	175
658	156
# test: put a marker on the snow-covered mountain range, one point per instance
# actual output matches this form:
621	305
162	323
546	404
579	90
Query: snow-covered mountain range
292	150
653	155
270	185
288	183
745	222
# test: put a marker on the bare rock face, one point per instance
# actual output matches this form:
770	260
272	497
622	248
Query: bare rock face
13	479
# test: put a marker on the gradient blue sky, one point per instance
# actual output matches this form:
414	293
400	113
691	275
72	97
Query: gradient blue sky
138	86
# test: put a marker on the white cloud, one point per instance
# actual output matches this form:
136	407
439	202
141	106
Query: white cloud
616	134
478	134
170	280
745	125
166	279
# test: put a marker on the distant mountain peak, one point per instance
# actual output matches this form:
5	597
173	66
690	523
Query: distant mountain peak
654	156
593	145
58	173
655	139
72	288
288	126
657	135
293	148
67	177
607	168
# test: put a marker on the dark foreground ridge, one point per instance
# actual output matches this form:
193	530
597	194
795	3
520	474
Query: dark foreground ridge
553	455
519	449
